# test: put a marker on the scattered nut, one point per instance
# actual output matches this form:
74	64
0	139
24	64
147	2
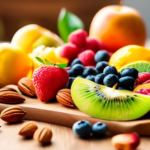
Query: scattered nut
12	114
64	97
43	135
26	86
28	129
10	96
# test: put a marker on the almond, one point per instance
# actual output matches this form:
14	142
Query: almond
64	97
43	135
28	129
10	96
26	86
12	114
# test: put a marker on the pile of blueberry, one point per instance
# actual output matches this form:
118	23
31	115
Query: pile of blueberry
103	73
83	129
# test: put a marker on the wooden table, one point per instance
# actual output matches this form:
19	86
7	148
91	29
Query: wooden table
63	138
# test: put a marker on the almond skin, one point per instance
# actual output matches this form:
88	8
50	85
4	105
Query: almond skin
26	86
43	135
64	97
28	130
12	114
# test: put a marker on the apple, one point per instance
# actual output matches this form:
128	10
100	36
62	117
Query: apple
118	26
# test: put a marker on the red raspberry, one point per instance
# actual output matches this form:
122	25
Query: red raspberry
87	58
148	81
144	76
78	37
69	51
137	82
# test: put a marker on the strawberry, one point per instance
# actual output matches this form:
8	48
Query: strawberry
144	76
48	79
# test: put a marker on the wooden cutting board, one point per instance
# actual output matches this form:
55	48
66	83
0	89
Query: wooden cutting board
55	113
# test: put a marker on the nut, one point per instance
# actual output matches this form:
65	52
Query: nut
26	86
10	96
8	89
28	130
12	114
43	135
64	97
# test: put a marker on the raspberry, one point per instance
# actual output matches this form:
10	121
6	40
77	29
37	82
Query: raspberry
137	82
144	76
87	58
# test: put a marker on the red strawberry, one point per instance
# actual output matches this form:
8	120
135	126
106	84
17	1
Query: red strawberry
48	80
144	76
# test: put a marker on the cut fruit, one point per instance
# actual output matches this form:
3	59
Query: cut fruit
107	103
143	86
141	66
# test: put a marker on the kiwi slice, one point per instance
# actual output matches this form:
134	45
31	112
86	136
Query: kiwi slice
141	66
107	103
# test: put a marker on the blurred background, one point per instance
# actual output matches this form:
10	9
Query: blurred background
14	14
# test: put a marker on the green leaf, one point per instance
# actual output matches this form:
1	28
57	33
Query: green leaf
63	66
68	22
40	60
47	62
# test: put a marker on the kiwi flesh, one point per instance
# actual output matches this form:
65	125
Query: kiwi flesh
107	103
141	66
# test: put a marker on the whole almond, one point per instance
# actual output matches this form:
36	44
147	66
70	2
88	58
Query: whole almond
64	97
28	129
43	135
26	86
10	97
12	114
8	89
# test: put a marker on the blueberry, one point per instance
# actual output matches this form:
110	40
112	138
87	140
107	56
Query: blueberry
101	55
100	66
89	71
76	61
82	128
110	80
91	78
77	69
126	81
130	72
99	78
70	73
110	70
70	81
99	129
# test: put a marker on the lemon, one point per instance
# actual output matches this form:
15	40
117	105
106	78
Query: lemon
129	54
14	64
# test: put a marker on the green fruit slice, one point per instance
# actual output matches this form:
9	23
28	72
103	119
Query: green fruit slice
107	103
141	66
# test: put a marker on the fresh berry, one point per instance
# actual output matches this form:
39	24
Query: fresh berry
129	72
76	61
99	78
89	71
137	81
101	56
124	88
110	80
69	51
99	129
77	69
93	44
70	81
144	76
91	78
87	58
82	129
48	80
146	82
70	73
78	37
126	81
100	66
128	141
110	70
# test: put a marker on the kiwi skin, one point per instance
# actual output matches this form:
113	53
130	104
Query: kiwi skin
107	103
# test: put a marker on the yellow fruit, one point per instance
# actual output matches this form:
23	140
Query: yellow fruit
14	64
143	86
32	36
46	53
129	54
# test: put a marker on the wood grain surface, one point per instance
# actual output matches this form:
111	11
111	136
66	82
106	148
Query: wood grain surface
63	139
